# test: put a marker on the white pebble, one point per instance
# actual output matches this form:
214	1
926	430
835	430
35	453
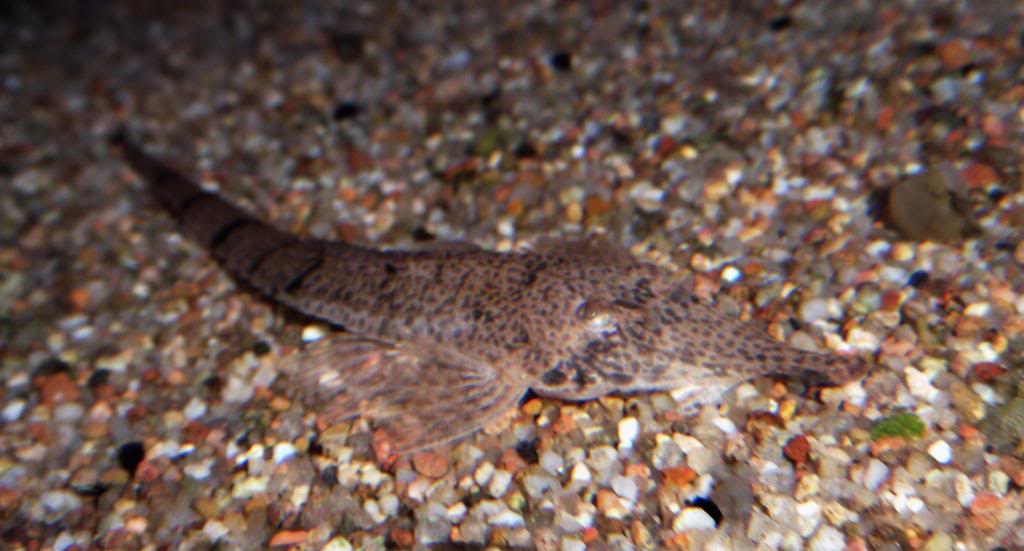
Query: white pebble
389	504
195	409
283	451
625	487
13	410
59	501
986	393
998	482
978	309
483	473
581	473
730	274
920	385
819	309
941	451
200	470
646	196
725	425
249	486
827	539
456	512
499	483
875	474
338	544
809	516
69	413
315	332
552	462
693	518
862	340
372	508
214	530
963	489
236	391
64	542
507	518
573	544
629	429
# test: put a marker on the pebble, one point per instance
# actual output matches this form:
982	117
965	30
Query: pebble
862	340
920	386
283	451
13	410
59	502
338	543
998	482
483	473
625	487
809	516
537	484
807	486
693	518
236	391
940	541
941	451
817	308
314	332
430	464
68	413
827	539
456	512
647	197
725	425
214	530
57	389
580	473
875	474
499	483
666	452
552	462
507	518
573	544
963	489
195	409
604	462
837	515
611	505
629	429
64	542
473	531
199	470
372	509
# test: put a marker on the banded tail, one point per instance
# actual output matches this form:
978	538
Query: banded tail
273	261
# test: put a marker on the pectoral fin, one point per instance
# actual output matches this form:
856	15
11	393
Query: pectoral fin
414	395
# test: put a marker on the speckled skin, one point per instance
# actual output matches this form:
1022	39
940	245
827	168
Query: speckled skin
571	321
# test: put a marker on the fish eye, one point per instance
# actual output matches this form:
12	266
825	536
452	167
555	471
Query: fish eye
598	318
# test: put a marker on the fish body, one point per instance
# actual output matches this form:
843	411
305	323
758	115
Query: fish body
440	342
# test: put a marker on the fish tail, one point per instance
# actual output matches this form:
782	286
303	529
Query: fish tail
239	240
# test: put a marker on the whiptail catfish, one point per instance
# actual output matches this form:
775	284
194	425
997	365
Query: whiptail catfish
440	342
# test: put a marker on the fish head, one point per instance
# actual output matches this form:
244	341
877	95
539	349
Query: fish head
650	334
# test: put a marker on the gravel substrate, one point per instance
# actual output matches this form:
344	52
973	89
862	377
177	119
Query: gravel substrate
847	172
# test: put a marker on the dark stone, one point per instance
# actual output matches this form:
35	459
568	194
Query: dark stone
918	278
129	456
561	61
346	110
779	23
527	449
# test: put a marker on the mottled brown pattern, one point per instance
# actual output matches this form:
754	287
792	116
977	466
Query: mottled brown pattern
445	340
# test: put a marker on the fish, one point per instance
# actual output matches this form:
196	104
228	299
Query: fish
435	344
